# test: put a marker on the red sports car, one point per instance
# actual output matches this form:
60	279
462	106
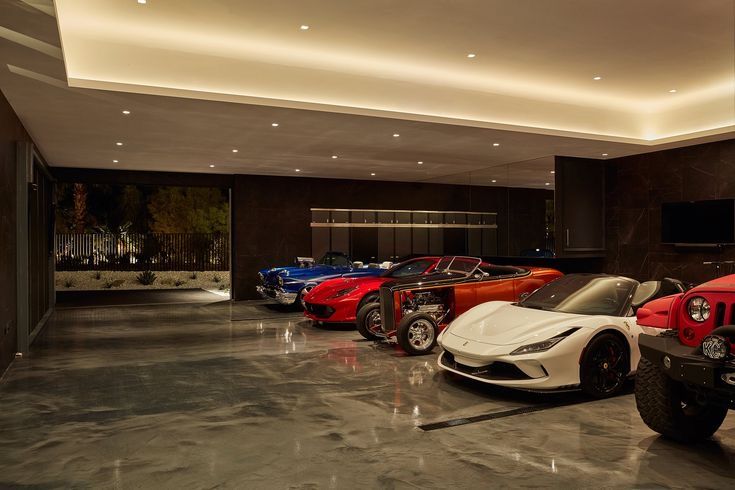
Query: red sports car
338	300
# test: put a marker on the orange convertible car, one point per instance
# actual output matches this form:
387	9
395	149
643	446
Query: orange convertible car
413	311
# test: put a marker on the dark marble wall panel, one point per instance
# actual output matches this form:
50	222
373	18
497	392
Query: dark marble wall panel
11	131
271	215
635	188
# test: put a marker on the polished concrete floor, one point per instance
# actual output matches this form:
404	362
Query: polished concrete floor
245	396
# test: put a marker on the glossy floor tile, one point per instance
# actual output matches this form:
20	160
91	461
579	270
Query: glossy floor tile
246	396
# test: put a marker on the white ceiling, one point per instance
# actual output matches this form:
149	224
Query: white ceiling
203	78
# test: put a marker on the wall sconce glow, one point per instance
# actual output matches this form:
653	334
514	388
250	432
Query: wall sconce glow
372	173
297	170
211	166
471	55
547	183
334	156
597	78
493	181
126	112
275	125
604	154
119	143
304	27
142	2
396	135
496	144
114	161
420	163
235	150
552	172
672	91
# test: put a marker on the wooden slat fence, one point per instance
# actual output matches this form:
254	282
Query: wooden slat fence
138	252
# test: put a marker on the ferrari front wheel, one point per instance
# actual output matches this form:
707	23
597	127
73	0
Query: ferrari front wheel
417	334
368	321
605	366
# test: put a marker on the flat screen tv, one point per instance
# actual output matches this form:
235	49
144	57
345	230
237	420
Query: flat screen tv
698	222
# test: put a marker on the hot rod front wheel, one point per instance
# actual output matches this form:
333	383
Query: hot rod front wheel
417	334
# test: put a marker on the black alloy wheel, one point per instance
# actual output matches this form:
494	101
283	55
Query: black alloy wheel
605	366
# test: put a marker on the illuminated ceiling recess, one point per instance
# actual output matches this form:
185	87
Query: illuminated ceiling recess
600	70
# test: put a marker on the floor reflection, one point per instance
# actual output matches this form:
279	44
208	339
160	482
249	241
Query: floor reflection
247	395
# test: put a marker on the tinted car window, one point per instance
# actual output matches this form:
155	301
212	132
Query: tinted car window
413	268
584	295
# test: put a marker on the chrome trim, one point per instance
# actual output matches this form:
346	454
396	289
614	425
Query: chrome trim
402	225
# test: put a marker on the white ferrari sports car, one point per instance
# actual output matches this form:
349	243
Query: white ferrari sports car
578	331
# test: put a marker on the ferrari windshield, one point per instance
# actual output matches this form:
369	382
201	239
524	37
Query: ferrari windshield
584	294
464	265
409	268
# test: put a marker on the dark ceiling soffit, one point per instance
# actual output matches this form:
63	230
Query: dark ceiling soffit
138	177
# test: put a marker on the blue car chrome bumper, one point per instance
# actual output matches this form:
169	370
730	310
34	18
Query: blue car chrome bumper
278	294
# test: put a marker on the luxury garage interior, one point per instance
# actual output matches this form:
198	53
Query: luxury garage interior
367	244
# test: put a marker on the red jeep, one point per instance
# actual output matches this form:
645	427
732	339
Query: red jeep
685	381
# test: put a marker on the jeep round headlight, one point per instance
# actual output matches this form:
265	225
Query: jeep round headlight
698	309
715	347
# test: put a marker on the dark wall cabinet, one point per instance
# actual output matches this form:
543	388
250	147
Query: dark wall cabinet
580	207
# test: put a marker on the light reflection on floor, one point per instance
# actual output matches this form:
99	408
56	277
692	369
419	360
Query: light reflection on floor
184	397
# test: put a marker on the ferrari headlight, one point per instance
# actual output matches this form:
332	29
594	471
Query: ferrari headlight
343	292
698	309
544	345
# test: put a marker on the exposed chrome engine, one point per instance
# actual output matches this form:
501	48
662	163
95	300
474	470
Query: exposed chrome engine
427	302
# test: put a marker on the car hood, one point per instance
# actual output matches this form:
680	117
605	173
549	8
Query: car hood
503	323
327	289
297	273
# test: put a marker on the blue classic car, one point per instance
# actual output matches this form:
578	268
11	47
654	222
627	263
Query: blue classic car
288	285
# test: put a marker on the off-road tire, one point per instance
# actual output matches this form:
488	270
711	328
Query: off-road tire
362	319
660	401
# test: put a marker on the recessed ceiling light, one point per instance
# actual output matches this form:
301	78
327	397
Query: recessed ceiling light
211	166
553	172
235	150
297	170
372	173
493	181
672	91
126	112
275	125
420	163
547	183
396	135
471	55
142	2
119	143
304	27
604	154
597	78
114	161
334	156
496	144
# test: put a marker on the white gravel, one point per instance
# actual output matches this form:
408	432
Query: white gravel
214	281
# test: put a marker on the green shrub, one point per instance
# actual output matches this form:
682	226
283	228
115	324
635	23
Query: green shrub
146	278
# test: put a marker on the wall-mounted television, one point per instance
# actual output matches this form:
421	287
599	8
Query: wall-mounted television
698	222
